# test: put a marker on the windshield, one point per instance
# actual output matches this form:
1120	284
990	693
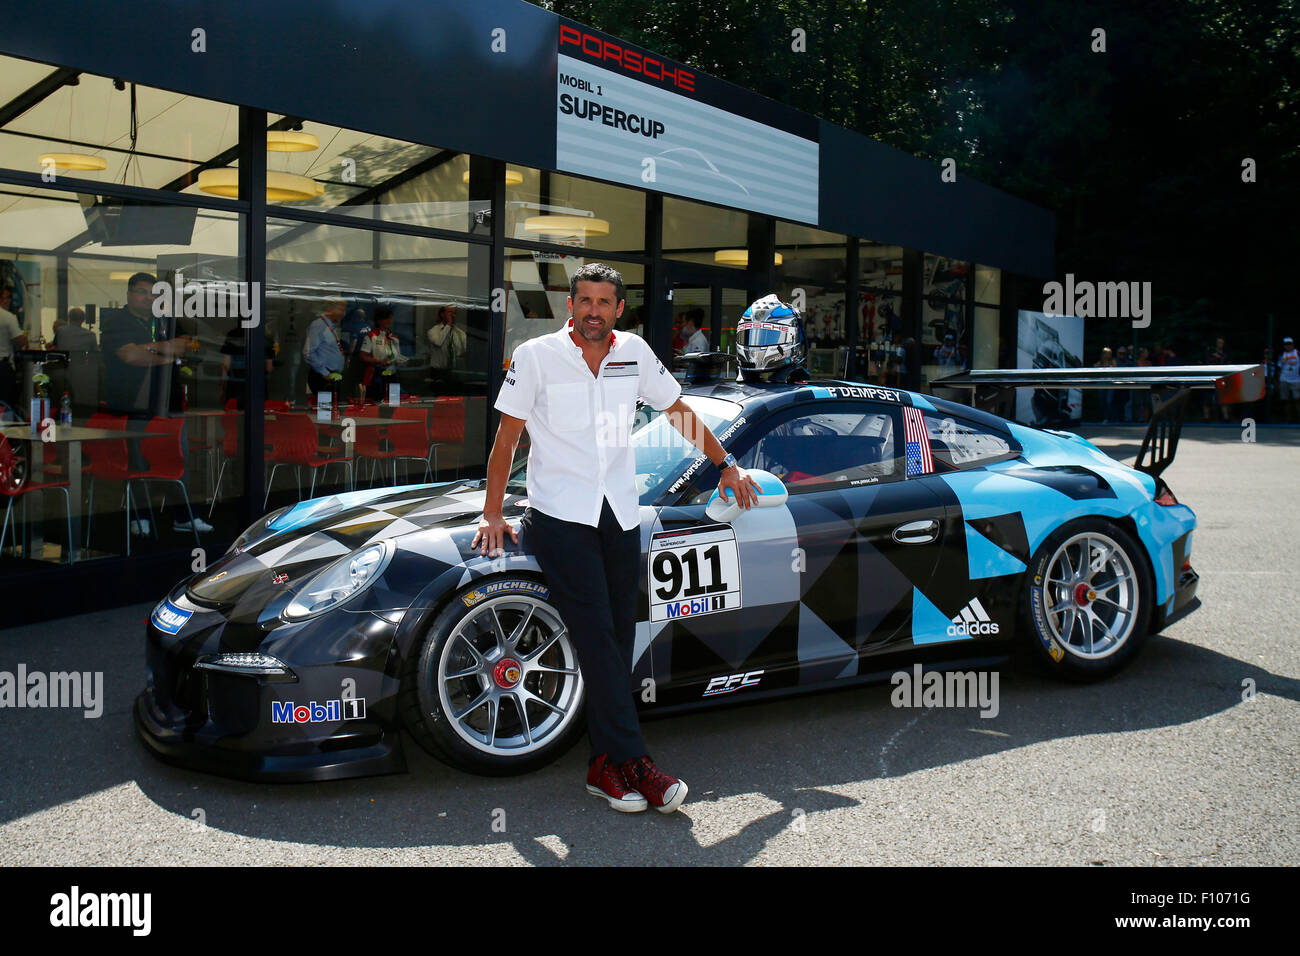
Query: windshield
662	454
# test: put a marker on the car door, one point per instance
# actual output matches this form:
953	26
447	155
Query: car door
822	580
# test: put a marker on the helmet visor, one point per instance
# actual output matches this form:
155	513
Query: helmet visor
754	334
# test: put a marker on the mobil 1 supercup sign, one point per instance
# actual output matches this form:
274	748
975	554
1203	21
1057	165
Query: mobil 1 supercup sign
627	116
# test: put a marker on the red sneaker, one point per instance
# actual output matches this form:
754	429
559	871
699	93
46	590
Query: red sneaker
606	779
665	793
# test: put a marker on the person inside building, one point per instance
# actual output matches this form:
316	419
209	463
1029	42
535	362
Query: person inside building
12	338
693	336
142	353
81	376
323	351
381	354
447	345
1288	380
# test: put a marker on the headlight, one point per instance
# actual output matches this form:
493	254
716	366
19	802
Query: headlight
248	663
257	531
340	581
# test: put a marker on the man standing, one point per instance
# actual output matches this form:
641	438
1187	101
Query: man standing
583	517
12	338
323	351
380	353
696	340
142	355
1288	378
446	347
82	376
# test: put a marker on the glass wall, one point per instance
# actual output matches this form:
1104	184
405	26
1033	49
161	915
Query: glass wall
945	334
810	272
127	310
883	339
695	232
579	213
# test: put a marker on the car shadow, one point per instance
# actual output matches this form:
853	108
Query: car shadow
789	755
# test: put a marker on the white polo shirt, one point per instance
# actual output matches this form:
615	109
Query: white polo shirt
579	424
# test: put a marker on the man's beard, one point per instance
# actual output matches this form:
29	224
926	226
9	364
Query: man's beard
589	335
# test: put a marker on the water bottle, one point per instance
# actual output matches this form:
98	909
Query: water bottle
65	410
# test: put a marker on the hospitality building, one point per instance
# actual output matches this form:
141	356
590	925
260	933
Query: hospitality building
444	161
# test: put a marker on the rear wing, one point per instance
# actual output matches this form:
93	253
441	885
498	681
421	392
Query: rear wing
1170	385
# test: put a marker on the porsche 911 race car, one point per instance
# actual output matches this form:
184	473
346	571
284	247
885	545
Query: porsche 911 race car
894	528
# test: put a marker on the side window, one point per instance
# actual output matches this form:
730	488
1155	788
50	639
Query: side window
839	444
961	444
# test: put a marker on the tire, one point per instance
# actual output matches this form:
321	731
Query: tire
1086	624
465	704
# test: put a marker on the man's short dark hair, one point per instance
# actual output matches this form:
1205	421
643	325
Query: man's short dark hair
383	312
695	317
597	272
140	277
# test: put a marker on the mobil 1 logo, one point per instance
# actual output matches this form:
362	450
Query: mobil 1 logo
693	572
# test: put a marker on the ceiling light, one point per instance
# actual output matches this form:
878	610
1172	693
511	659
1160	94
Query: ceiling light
280	187
287	141
566	226
740	257
513	177
73	161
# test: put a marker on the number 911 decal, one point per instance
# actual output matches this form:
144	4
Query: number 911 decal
693	572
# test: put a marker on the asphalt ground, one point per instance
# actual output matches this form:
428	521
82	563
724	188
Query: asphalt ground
1172	762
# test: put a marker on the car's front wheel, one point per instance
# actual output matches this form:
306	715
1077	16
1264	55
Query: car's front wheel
1089	600
494	687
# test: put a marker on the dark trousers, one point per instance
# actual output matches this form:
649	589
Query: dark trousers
319	383
592	573
9	387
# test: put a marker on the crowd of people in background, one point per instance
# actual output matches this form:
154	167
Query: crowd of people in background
1282	390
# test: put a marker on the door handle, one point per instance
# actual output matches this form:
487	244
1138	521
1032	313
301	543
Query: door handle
917	532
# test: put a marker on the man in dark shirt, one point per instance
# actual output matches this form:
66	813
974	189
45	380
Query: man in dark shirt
142	354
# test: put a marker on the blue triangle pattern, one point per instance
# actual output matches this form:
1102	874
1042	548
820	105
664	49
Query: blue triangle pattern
986	559
929	624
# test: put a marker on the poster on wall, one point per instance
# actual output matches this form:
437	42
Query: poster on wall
1048	341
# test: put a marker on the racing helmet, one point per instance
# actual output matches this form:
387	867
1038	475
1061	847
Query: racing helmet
770	336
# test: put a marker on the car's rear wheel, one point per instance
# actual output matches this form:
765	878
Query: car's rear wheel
1088	600
494	687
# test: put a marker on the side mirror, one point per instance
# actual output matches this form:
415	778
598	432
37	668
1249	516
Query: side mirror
771	494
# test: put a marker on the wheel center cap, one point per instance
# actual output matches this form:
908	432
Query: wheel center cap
1083	595
507	672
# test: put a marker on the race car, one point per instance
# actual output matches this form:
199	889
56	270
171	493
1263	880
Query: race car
894	528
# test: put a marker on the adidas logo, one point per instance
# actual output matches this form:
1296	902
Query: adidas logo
972	620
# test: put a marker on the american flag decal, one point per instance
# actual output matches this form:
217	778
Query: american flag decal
919	461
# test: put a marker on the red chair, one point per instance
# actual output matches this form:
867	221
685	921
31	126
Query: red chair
367	439
229	451
410	442
110	461
166	460
275	405
13	486
447	426
293	442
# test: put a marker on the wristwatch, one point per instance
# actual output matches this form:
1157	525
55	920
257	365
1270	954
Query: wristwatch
728	462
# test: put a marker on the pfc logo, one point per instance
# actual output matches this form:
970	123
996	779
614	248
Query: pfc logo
730	683
286	712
